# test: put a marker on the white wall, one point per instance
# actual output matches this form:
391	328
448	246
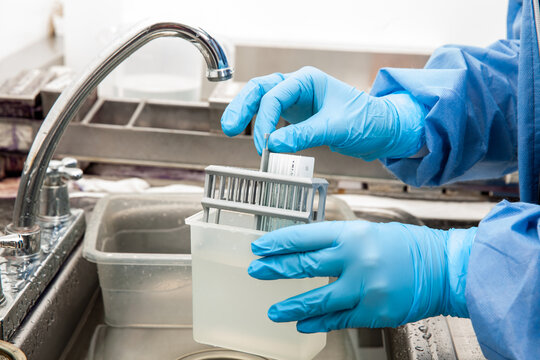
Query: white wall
23	22
396	25
406	25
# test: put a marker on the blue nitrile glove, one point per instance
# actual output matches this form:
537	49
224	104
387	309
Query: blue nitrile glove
326	111
389	274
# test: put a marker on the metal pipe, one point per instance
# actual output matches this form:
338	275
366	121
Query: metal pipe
63	111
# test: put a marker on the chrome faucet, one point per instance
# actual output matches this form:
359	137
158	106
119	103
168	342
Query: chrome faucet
23	233
25	256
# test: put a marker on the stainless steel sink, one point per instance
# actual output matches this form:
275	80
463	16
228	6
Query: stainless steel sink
141	342
177	343
69	320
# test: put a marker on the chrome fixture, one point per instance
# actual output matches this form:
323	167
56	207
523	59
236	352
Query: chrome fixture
54	202
24	215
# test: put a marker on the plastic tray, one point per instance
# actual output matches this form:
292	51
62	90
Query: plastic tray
141	246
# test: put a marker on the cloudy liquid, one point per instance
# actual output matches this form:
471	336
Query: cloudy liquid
230	310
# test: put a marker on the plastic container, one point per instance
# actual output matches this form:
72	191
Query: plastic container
230	307
164	68
141	246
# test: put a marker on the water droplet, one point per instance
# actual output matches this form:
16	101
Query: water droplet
419	348
422	328
427	336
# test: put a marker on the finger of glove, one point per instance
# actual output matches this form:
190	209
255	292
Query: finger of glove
327	299
243	107
324	262
306	134
277	100
298	238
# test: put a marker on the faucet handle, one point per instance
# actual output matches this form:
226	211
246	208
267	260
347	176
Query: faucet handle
54	198
65	169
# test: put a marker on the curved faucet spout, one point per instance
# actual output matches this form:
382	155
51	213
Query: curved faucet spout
68	104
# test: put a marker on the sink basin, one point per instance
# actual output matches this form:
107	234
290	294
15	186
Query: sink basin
177	343
127	236
141	246
94	339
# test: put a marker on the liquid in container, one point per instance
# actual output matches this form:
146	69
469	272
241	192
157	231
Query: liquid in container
230	307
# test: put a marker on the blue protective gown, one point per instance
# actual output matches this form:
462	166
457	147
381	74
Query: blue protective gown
484	122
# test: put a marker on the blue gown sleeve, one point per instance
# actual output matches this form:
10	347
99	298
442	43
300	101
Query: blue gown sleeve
470	129
503	282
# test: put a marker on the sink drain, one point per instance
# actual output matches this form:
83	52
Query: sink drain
9	351
219	355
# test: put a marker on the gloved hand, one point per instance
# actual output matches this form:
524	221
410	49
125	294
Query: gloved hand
389	274
326	111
